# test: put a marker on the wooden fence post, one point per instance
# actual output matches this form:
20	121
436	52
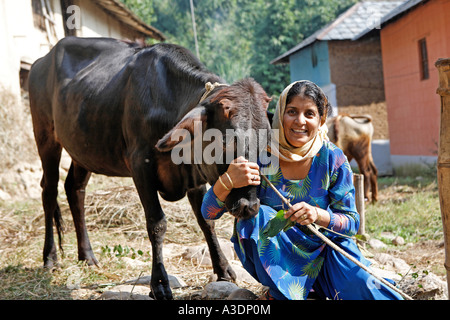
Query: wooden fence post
358	181
443	167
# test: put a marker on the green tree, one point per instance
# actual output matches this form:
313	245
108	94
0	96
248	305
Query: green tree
239	38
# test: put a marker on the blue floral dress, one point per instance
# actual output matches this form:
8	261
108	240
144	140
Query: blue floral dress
295	261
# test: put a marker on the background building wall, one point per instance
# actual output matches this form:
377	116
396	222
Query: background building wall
311	63
412	103
357	70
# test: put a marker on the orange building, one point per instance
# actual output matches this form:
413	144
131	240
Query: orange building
413	37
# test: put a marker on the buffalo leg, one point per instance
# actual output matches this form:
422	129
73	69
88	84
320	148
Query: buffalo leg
366	172
373	180
220	264
50	154
355	151
144	179
75	185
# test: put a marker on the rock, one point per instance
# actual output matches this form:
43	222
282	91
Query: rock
398	241
83	294
227	248
377	244
134	263
4	196
174	281
218	290
387	235
242	294
200	254
241	274
387	274
388	262
424	286
127	292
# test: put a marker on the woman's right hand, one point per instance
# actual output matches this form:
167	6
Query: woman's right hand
242	173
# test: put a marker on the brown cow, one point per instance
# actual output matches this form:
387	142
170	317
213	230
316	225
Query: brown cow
353	134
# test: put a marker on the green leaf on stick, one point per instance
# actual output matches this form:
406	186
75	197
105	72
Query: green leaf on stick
276	224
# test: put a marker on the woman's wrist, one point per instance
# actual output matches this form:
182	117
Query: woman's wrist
222	188
323	217
223	184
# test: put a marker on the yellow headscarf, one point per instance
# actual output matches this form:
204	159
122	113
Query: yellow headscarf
285	150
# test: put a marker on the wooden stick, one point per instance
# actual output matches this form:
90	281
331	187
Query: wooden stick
443	167
358	181
335	247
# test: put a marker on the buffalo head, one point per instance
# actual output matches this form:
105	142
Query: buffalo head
230	122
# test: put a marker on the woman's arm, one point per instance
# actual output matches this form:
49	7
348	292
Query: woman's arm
212	207
344	217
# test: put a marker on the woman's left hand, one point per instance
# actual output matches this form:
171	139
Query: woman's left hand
302	213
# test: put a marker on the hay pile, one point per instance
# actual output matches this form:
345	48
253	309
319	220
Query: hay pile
16	131
119	209
19	162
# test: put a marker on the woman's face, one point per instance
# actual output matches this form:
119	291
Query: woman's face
301	121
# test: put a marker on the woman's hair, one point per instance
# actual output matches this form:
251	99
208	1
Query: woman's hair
308	89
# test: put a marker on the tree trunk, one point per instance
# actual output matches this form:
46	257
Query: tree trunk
443	168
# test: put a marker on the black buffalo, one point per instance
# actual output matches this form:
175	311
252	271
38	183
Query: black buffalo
109	104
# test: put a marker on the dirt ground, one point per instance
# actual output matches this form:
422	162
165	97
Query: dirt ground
115	216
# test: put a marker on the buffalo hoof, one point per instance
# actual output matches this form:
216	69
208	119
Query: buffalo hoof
89	257
161	291
50	263
50	259
226	274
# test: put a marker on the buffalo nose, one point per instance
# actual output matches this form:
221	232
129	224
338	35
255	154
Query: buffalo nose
248	209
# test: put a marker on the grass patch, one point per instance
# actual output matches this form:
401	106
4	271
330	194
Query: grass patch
19	282
408	207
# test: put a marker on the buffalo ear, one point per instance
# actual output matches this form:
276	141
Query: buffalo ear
182	130
226	107
265	101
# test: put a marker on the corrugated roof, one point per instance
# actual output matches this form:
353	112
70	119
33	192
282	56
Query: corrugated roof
398	11
362	15
119	11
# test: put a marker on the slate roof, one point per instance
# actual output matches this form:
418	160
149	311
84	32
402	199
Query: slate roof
361	16
393	15
119	11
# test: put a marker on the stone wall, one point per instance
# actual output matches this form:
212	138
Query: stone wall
356	69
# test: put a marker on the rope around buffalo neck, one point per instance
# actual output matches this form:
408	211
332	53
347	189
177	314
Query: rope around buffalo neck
313	229
210	87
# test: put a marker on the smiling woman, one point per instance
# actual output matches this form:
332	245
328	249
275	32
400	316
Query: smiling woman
316	178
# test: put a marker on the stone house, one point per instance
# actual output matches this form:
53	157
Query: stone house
350	72
30	28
